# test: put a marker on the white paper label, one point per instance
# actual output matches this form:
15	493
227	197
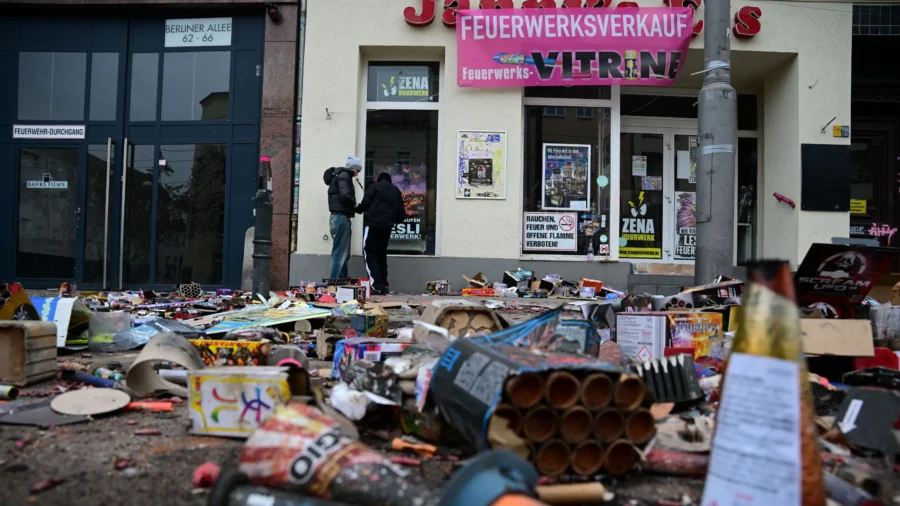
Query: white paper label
550	232
756	451
48	131
201	32
640	336
639	166
47	185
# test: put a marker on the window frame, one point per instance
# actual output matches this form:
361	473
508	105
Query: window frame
615	127
356	246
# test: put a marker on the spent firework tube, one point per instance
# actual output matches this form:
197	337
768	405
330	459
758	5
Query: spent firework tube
8	393
299	448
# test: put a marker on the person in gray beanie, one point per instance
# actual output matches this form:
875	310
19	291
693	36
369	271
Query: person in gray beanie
342	205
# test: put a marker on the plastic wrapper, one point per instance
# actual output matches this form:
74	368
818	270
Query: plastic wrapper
111	332
298	448
130	338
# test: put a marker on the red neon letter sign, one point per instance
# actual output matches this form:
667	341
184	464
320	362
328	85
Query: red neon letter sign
424	19
746	22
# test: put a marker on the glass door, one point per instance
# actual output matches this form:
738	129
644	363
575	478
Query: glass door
643	201
47	211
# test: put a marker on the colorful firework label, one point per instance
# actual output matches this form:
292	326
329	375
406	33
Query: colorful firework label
700	331
235	401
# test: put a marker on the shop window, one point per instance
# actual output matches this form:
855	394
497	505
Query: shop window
747	113
404	144
144	82
584	112
641	202
104	86
575	92
400	82
567	193
559	112
673	106
195	86
52	86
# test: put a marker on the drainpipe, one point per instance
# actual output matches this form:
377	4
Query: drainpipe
295	190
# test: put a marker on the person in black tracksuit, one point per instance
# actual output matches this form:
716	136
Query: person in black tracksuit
383	205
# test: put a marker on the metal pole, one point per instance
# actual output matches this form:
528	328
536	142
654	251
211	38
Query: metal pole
262	236
715	166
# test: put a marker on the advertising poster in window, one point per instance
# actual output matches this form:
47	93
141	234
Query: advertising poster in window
481	169
567	170
641	232
685	225
409	236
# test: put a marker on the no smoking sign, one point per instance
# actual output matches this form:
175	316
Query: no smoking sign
566	223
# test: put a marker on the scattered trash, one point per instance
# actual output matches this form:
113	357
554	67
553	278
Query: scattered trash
46	485
90	401
148	432
205	475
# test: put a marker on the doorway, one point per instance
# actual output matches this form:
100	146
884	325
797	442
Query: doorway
134	154
658	191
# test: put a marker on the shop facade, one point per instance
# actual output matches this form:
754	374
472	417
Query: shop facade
132	135
496	173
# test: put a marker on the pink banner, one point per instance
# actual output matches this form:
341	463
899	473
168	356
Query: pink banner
571	47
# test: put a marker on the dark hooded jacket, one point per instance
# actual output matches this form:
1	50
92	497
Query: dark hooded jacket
341	196
383	204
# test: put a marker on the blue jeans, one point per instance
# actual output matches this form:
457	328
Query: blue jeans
340	247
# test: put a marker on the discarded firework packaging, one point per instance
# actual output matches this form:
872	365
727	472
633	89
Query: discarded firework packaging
579	336
476	376
672	379
477	281
103	328
348	351
71	317
644	336
8	393
885	324
837	277
719	292
233	488
867	417
350	293
15	303
375	378
255	316
459	317
300	449
372	323
874	377
439	287
27	352
479	292
766	374
234	401
519	278
163	348
226	353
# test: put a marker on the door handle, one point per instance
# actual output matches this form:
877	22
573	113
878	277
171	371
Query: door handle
106	211
122	213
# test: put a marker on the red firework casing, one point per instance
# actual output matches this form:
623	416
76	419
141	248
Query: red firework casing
300	448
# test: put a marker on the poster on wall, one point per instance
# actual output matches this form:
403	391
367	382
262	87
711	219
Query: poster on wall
567	170
481	165
550	232
409	236
694	143
641	231
685	225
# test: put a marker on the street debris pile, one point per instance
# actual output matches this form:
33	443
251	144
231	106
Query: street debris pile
337	398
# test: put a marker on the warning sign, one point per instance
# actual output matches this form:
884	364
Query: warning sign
645	354
550	232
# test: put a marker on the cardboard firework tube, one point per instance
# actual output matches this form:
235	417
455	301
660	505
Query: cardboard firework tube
512	415
562	389
552	458
587	458
609	425
629	392
572	493
525	390
596	391
620	457
8	393
575	424
540	424
677	463
640	426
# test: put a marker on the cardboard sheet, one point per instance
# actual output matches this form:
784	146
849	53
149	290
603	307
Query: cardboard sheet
845	338
165	347
256	317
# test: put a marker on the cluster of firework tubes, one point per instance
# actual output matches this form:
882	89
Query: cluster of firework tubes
582	423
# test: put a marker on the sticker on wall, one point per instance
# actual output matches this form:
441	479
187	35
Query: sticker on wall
603	238
694	143
603	250
602	181
651	183
481	165
550	232
623	242
857	206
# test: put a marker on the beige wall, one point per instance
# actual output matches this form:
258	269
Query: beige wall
799	65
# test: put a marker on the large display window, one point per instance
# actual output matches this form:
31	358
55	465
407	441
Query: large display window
567	172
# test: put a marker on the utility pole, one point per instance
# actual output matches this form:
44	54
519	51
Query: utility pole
262	236
717	105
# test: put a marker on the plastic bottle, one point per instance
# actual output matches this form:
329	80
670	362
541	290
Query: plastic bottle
590	252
